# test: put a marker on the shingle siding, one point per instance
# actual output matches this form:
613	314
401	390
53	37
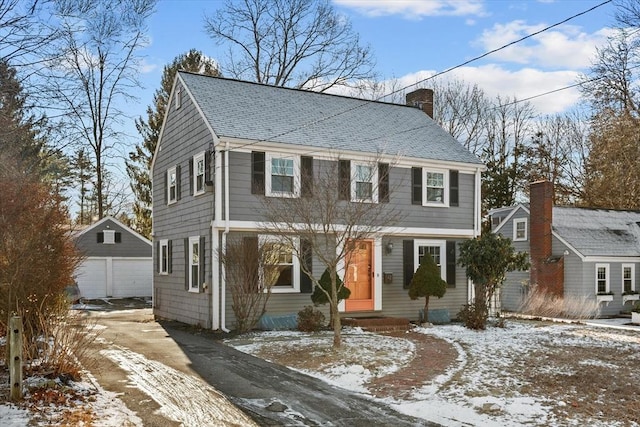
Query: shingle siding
129	246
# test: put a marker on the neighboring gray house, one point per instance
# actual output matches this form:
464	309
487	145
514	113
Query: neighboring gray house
117	261
575	252
224	147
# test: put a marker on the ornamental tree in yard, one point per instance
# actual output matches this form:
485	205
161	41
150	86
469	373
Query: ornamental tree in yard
427	282
487	259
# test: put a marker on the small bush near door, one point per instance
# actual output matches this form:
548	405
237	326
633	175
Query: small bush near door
310	319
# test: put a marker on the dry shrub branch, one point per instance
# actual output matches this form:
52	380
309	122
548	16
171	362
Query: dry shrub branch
538	302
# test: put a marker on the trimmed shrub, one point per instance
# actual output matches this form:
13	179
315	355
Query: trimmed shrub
310	319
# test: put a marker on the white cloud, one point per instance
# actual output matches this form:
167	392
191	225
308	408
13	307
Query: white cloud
145	67
563	46
523	83
415	9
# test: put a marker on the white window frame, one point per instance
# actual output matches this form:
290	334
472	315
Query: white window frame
178	100
108	237
164	257
295	279
445	179
373	180
631	267
172	171
296	175
515	229
200	157
607	277
194	240
442	244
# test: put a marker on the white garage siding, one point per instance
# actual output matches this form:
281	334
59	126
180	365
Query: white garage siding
103	277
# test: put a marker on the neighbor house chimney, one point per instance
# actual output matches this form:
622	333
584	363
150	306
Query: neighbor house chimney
547	271
423	99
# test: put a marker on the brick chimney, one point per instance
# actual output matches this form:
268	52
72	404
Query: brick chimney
423	99
547	271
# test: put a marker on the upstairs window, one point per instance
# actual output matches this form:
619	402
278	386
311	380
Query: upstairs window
172	185
178	100
199	173
363	183
283	176
519	229
436	186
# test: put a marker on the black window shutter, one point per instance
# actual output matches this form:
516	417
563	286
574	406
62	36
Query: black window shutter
169	257
201	259
453	188
416	186
100	237
306	285
187	267
257	172
344	180
383	182
118	237
306	176
178	184
158	257
191	189
407	262
207	167
451	263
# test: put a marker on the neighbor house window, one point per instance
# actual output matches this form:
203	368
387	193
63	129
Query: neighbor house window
363	181
282	267
164	257
199	173
283	176
194	264
436	191
172	185
435	248
178	99
519	229
628	278
109	237
602	278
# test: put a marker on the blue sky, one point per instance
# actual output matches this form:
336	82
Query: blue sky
412	39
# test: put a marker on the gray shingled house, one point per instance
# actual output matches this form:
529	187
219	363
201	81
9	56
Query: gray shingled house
221	136
117	261
575	252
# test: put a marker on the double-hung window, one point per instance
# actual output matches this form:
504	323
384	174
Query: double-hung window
194	264
172	187
519	229
602	278
281	266
438	251
436	188
283	176
164	257
628	278
363	182
199	173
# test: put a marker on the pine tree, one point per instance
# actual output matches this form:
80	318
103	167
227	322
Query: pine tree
139	163
427	282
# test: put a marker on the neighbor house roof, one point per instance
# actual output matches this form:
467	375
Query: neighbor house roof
599	232
257	112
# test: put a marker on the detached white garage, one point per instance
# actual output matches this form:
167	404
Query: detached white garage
117	263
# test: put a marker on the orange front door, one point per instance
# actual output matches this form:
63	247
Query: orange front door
359	276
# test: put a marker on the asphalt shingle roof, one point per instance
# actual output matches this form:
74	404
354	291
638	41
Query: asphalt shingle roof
252	111
599	232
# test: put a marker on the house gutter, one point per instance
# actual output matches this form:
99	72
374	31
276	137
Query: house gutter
223	277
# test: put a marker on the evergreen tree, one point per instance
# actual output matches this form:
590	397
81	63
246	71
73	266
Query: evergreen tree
139	163
427	282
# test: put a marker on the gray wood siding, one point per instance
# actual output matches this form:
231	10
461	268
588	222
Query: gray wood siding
245	206
130	245
184	135
516	285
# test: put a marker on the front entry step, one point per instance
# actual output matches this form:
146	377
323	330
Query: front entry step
378	323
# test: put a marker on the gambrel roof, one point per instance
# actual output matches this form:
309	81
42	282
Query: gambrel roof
257	112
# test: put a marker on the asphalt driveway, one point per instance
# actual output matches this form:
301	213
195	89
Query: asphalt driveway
270	394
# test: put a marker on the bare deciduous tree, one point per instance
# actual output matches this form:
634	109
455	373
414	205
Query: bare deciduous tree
330	216
296	43
92	70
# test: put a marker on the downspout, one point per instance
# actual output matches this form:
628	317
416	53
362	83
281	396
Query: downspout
477	221
223	278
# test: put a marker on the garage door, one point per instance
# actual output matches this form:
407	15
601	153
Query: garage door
132	278
91	276
115	277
